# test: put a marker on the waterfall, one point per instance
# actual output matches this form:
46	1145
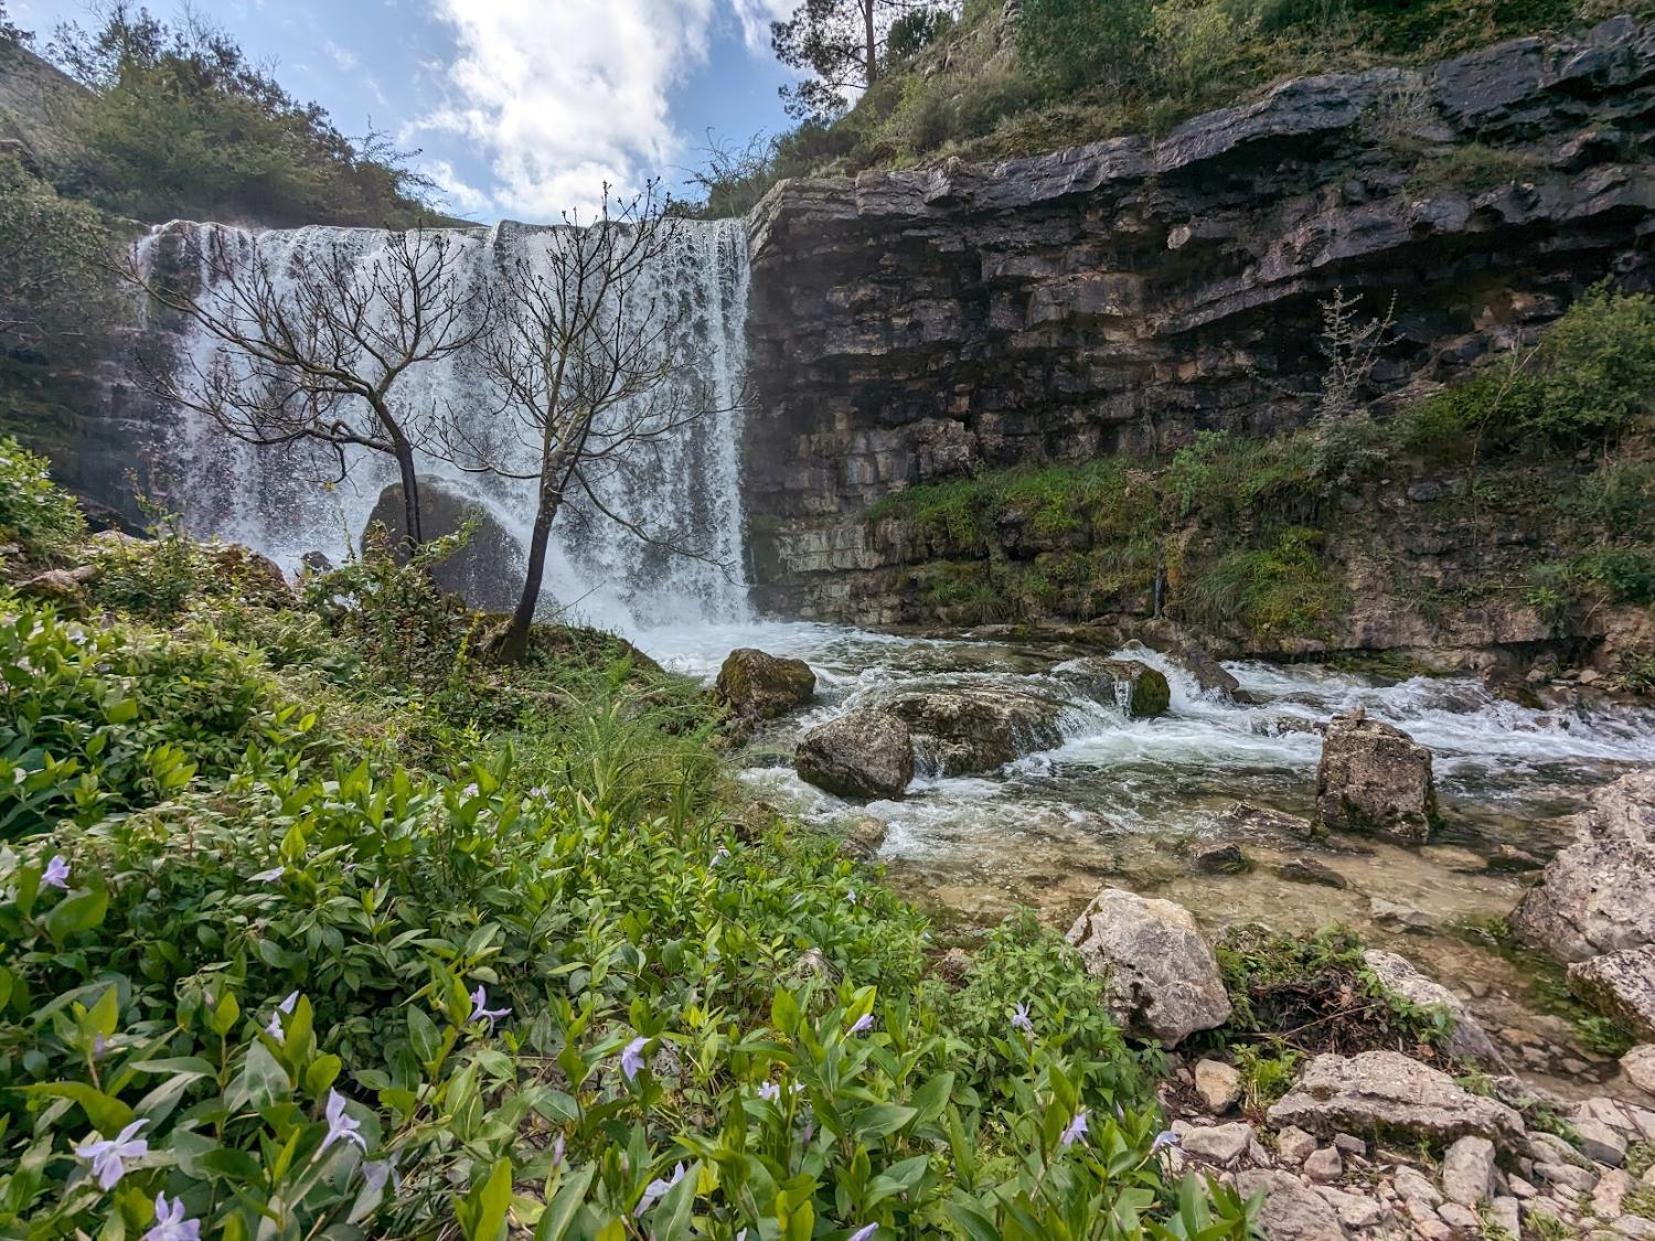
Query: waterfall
683	489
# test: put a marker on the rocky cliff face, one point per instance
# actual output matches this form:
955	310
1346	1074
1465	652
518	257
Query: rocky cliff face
919	325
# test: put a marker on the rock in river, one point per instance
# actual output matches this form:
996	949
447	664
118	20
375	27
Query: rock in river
1139	690
864	754
1598	895
758	686
1374	778
1162	977
966	730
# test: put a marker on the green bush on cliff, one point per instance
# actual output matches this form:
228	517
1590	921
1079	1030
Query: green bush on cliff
44	521
1279	589
261	974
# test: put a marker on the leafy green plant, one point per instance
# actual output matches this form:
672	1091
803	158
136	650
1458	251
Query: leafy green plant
1267	1072
45	521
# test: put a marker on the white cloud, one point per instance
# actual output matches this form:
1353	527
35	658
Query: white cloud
463	197
341	56
755	17
568	95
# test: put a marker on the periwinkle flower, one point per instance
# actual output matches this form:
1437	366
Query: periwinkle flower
1076	1130
864	1023
57	873
658	1189
1164	1139
557	1151
108	1156
274	1029
170	1224
469	791
863	1233
377	1173
850	897
269	876
342	1128
632	1057
770	1092
1020	1019
480	1011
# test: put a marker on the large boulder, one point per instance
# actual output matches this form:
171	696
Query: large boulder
1374	778
1140	691
1598	895
966	730
1210	676
257	577
863	754
757	686
1386	1092
1292	1210
487	572
1621	985
1162	978
1398	976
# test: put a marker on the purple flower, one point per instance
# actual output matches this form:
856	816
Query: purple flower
341	1128
864	1023
170	1224
720	855
1164	1139
1020	1019
632	1057
850	897
1076	1130
557	1151
863	1233
480	1011
269	876
376	1173
108	1156
57	873
657	1189
274	1029
770	1092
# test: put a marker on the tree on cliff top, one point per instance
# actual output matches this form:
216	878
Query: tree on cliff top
9	33
844	45
316	349
591	365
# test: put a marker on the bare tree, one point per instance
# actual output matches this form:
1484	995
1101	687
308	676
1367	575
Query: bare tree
316	349
590	365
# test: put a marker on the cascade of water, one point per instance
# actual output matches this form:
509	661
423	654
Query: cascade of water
683	489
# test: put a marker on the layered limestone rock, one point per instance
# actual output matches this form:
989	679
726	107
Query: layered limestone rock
917	325
1386	1092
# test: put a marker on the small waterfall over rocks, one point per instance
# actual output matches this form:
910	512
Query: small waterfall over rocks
683	489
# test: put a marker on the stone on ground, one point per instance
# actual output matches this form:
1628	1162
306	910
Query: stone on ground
759	686
1398	976
1292	1210
1324	1166
1220	1144
1468	1171
1374	778
1385	1091
1218	1084
1620	985
1639	1067
1162	978
1598	895
862	754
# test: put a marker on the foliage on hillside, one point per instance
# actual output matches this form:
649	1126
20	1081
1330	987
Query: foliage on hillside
183	125
55	277
1235	530
308	931
1004	81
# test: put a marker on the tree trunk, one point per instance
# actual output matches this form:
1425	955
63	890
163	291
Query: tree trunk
514	642
412	534
873	40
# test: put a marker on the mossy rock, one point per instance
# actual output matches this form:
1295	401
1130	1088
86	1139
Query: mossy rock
759	686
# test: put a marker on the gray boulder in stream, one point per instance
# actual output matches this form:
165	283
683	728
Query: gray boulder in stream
1139	690
1375	778
758	686
1161	975
863	754
974	730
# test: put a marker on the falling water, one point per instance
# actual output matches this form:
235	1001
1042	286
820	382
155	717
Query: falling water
682	490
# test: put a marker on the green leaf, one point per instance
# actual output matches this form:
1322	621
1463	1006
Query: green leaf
561	1213
77	913
881	1120
322	1073
108	1115
484	1216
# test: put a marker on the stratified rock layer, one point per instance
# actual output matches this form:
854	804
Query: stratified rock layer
1387	1093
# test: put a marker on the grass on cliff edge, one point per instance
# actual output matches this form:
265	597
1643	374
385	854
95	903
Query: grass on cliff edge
314	924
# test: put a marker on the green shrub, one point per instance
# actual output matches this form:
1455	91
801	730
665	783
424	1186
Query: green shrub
1598	368
1280	589
1081	42
43	520
1473	168
1484	415
1227	479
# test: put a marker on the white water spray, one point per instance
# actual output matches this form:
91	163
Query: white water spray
684	490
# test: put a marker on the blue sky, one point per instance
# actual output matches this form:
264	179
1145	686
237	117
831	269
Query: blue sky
522	108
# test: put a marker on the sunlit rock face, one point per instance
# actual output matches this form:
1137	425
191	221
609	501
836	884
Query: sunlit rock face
917	325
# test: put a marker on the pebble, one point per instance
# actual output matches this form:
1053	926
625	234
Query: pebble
1218	1084
1412	1184
1324	1166
1218	1143
1355	1210
1294	1145
1520	1188
1456	1216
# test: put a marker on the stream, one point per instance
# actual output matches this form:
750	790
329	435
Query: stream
1124	802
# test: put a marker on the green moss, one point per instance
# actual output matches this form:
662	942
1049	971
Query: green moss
1473	167
1548	985
1283	588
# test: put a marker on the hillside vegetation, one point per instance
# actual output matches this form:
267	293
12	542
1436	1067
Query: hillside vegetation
313	925
1030	76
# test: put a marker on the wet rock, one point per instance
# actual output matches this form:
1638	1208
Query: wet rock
1257	820
1373	778
1220	1144
1402	917
1218	1084
1309	870
1639	1067
1598	895
1162	977
1220	860
1210	676
1139	690
862	754
1620	985
975	730
1397	974
486	571
1292	1210
759	686
864	836
1468	1171
1386	1091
